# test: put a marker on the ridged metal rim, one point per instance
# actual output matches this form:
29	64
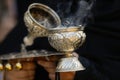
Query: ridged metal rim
66	29
45	8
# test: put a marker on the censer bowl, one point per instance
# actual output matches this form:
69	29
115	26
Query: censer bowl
67	40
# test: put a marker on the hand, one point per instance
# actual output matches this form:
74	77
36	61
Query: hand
50	67
27	73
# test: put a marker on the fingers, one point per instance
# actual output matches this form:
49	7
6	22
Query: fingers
50	67
50	70
27	73
20	75
47	64
29	65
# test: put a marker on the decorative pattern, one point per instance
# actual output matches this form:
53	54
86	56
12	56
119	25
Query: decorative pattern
38	19
69	64
66	41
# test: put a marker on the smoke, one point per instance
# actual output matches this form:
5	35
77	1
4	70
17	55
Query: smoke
74	12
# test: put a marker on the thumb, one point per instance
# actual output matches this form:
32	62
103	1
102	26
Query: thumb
47	64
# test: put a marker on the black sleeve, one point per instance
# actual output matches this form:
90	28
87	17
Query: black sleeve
91	71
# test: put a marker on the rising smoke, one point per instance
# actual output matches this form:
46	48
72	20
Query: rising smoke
74	12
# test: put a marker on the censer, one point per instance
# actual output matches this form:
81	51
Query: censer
39	18
66	40
42	21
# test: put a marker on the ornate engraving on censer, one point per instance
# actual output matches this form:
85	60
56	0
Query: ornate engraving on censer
38	19
67	40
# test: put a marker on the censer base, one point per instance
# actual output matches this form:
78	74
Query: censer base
69	64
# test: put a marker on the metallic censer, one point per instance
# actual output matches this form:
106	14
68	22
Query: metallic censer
39	18
42	21
66	40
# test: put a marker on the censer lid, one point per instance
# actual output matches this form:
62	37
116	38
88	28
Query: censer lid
43	15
